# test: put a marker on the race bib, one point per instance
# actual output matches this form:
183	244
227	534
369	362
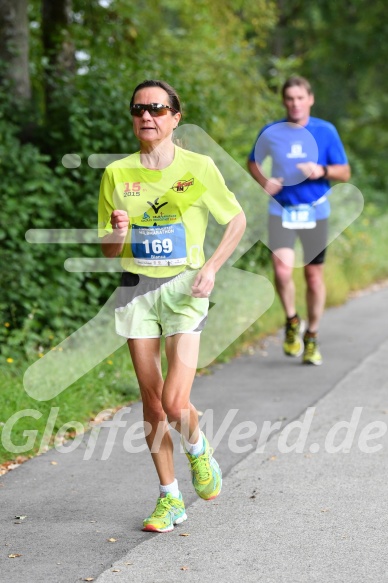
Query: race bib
301	216
164	245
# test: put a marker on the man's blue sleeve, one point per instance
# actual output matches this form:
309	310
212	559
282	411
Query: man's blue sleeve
336	152
258	152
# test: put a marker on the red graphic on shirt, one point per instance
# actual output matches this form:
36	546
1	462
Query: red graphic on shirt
182	185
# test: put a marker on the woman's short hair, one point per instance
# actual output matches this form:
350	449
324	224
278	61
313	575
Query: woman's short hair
173	96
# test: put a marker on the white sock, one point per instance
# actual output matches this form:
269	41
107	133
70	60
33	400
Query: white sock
195	448
169	489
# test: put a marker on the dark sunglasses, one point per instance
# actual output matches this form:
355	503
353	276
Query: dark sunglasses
154	109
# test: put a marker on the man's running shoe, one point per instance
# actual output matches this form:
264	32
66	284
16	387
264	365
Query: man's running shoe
293	345
311	354
168	511
205	472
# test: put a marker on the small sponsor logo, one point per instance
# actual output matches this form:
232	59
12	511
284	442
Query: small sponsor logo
296	151
182	185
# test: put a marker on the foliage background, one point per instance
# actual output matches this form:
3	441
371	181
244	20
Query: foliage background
83	109
227	59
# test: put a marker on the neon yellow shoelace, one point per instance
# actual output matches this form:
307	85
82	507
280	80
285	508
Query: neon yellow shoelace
202	468
309	347
162	507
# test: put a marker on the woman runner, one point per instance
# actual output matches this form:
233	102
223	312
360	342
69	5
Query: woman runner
153	212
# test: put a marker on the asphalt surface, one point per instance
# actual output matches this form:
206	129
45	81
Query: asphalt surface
316	514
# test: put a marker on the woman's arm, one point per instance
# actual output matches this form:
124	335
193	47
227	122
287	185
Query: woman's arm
204	282
112	244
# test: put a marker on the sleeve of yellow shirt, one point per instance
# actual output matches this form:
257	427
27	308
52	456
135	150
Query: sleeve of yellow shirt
220	201
105	204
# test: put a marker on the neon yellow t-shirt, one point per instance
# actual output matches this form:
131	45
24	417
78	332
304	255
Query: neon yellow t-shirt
168	210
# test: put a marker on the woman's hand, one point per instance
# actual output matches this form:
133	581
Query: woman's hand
112	244
204	282
120	221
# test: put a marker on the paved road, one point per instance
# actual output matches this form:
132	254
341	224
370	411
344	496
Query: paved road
282	516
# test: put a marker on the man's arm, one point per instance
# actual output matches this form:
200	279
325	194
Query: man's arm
272	185
336	172
204	282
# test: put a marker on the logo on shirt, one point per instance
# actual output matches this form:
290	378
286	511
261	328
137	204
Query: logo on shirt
182	185
132	189
296	151
156	206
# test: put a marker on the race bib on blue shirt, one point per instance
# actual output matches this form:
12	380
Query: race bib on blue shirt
162	245
301	216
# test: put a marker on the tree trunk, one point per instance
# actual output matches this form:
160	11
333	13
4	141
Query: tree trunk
57	44
58	48
14	32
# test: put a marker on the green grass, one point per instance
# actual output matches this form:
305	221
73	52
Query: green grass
109	385
354	260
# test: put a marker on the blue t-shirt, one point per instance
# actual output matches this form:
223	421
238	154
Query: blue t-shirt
289	144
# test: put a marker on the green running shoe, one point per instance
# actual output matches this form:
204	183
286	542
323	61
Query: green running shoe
311	353
205	472
293	345
168	511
